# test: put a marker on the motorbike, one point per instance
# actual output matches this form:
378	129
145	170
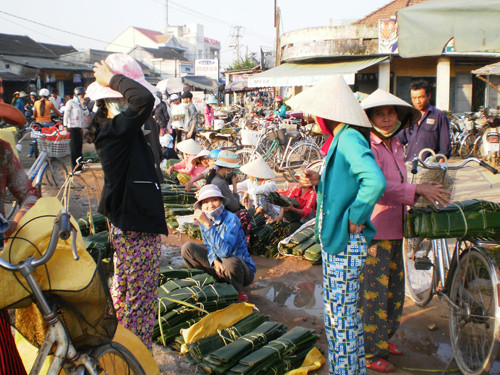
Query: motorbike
490	141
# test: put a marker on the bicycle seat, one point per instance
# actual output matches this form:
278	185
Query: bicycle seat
293	134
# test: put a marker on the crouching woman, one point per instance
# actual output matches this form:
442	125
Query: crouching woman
225	254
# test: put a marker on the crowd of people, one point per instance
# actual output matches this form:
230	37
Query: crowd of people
359	199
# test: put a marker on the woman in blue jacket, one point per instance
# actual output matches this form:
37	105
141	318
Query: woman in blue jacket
350	186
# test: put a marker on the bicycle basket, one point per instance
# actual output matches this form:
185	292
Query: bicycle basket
55	148
88	314
249	137
282	137
444	177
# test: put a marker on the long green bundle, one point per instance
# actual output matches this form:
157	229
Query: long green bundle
221	360
313	254
98	245
213	292
301	247
204	346
171	273
191	230
168	326
264	239
459	219
297	340
197	280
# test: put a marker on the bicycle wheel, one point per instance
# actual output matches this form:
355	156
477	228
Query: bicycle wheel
419	260
115	359
300	156
55	174
467	146
316	166
473	324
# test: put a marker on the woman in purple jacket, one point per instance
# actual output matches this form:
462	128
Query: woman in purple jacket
382	280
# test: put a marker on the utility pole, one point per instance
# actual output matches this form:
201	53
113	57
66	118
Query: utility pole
236	41
278	40
166	13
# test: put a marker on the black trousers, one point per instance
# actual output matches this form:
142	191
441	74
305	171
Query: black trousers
75	145
236	271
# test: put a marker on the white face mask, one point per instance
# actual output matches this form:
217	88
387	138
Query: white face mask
214	214
116	105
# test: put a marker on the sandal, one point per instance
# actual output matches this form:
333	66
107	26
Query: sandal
381	365
394	349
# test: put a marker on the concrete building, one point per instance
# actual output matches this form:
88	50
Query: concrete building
163	62
365	52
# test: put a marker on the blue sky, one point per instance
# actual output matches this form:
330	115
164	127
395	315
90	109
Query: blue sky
99	22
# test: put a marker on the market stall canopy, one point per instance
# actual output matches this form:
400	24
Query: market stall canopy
426	28
238	86
309	74
201	82
491	69
170	85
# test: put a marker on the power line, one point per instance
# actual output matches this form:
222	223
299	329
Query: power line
60	30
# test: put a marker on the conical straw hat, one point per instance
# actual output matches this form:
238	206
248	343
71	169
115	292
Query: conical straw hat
332	100
381	98
189	146
258	169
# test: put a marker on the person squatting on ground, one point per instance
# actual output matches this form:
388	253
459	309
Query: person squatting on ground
225	252
305	196
186	169
74	119
208	161
131	197
223	176
350	185
382	293
256	188
13	178
432	130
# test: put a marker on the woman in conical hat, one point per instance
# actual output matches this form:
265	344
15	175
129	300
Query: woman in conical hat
388	115
350	185
257	186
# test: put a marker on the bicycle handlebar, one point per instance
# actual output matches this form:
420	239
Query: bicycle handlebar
62	229
482	163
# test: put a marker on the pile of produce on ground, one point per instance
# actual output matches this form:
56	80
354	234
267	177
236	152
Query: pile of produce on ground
94	229
231	338
302	244
264	237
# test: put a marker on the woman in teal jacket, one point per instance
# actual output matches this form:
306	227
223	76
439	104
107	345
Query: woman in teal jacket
350	186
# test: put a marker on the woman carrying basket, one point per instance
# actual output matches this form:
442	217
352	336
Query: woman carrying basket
382	279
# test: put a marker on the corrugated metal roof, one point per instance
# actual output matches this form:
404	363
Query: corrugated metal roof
41	63
295	74
488	69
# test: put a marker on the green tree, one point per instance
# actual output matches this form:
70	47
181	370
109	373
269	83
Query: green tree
247	63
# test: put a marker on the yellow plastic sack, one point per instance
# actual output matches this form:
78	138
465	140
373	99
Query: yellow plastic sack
214	322
123	336
7	134
313	361
65	272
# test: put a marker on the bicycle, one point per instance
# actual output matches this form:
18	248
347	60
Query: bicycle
468	282
285	151
88	349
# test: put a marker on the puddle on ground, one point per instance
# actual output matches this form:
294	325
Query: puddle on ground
304	296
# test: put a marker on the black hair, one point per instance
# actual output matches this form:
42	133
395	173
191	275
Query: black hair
187	94
421	84
211	175
42	106
99	120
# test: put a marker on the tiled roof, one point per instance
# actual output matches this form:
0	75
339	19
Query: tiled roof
385	12
151	34
59	49
21	45
165	53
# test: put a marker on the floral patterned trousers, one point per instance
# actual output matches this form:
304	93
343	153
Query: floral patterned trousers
343	326
382	296
135	282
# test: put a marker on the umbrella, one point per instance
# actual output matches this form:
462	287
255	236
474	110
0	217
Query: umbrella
238	86
426	28
170	85
201	82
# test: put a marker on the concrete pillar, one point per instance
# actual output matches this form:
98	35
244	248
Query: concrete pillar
443	83
226	97
384	75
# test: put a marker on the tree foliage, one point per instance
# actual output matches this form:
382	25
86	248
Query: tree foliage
247	63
